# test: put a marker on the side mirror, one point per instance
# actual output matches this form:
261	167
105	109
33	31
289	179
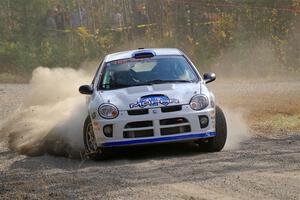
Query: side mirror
209	77
86	89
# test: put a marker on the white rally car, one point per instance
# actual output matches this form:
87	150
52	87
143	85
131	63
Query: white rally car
149	96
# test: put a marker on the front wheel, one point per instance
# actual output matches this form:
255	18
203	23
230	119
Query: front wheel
90	144
217	143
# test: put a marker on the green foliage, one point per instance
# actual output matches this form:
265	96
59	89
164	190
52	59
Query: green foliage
204	29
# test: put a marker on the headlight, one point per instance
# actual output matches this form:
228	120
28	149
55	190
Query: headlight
199	102
108	111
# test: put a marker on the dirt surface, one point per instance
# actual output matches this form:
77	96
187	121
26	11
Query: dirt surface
266	166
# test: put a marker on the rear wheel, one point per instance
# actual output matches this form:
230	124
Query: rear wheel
90	144
217	143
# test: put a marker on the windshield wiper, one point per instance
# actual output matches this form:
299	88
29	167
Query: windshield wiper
115	85
158	81
120	85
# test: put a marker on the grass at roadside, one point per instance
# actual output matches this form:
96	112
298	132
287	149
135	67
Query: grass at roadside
278	123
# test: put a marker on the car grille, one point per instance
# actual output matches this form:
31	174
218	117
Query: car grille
138	112
178	120
138	134
139	124
163	110
170	126
171	109
173	126
138	129
175	130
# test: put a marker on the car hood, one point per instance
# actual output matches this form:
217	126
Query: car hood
130	98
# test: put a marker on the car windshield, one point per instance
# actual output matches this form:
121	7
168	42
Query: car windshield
146	71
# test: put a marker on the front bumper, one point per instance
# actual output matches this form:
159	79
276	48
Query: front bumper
188	130
184	137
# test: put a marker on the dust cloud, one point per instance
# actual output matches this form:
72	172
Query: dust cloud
52	117
252	60
238	130
241	72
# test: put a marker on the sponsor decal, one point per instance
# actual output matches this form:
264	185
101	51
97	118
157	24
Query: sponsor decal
152	101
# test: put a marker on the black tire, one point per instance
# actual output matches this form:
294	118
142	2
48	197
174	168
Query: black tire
91	151
217	143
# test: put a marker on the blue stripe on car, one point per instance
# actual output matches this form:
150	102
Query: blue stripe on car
160	139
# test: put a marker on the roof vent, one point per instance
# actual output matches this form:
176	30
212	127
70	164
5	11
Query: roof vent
143	54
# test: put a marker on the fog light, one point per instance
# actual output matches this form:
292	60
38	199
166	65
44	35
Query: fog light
108	130
203	121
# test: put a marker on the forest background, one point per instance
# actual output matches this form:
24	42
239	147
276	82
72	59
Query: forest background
244	37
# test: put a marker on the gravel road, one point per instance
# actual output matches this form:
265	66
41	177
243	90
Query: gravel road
266	166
